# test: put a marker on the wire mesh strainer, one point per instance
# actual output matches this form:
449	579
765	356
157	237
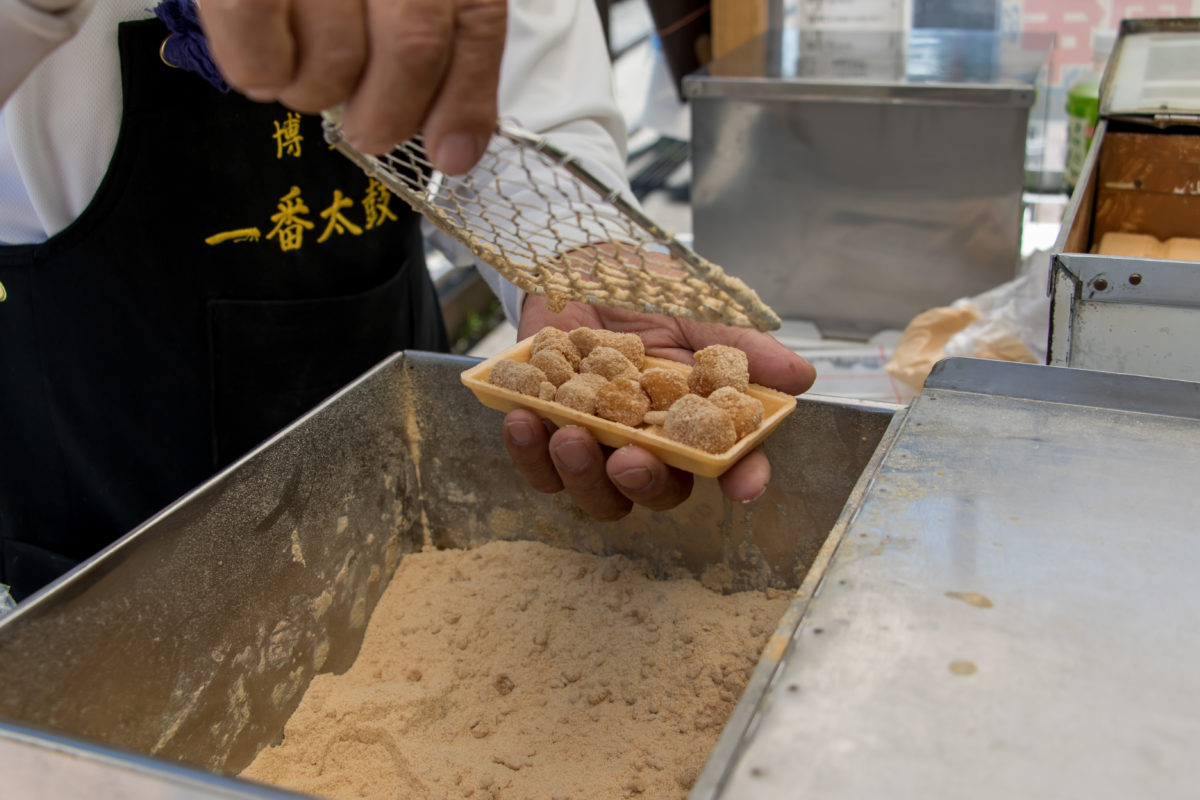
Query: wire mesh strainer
552	227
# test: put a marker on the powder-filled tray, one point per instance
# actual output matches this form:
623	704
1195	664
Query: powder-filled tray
776	406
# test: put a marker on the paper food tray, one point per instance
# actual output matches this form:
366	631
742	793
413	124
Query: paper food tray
776	406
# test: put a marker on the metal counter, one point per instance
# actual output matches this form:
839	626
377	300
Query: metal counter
1012	609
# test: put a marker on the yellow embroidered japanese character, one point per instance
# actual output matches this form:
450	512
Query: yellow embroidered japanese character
289	225
240	235
375	204
287	136
337	222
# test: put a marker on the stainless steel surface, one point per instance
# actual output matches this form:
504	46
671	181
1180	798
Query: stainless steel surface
1011	611
1152	73
742	722
193	639
1130	315
1075	233
859	178
37	765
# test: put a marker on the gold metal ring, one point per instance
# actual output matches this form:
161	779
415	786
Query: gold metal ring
162	52
3	293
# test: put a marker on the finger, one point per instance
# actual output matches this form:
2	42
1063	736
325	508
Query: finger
747	479
580	464
463	115
647	481
252	44
331	43
410	43
528	442
772	364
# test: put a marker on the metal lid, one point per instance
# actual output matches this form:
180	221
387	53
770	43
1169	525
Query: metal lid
1152	72
961	67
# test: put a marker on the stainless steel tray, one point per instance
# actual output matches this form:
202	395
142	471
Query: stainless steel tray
1009	610
1137	315
1004	607
165	663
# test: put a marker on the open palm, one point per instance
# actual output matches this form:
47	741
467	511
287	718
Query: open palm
606	484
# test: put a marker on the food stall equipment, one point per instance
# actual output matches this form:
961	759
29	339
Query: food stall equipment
1136	312
857	178
1134	315
1010	610
186	645
1004	607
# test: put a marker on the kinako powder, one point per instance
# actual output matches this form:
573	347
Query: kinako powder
520	670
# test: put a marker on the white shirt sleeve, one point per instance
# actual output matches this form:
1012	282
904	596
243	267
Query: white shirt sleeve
61	125
556	80
31	29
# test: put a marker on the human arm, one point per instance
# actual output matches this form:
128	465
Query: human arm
29	31
607	485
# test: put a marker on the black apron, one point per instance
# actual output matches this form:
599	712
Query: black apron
231	272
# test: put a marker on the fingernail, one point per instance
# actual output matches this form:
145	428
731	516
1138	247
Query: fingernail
519	433
457	153
761	492
637	479
572	456
360	144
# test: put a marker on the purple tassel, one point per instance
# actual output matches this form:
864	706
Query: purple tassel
186	47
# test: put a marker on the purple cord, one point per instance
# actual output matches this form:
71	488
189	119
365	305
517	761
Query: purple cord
186	47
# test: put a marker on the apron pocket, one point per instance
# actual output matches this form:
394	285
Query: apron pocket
273	361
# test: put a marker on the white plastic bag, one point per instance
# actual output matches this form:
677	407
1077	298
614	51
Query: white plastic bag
1010	322
1014	318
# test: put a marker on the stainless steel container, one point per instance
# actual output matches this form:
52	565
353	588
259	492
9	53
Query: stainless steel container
1009	609
855	179
1135	313
1004	604
166	662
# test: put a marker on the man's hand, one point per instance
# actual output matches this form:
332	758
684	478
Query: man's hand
398	67
606	485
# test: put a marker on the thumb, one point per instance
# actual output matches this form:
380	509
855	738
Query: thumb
771	364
